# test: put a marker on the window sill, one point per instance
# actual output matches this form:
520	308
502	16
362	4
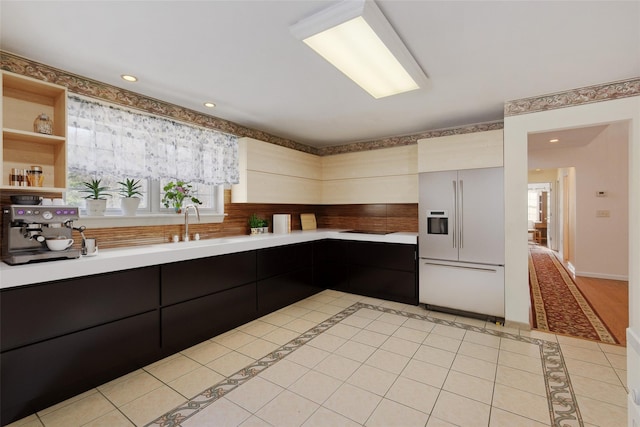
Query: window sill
140	220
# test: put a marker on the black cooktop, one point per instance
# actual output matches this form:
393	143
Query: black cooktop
382	233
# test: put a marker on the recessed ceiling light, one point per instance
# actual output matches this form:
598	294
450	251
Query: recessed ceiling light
209	104
554	140
129	78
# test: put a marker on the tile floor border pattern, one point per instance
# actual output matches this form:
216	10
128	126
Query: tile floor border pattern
563	406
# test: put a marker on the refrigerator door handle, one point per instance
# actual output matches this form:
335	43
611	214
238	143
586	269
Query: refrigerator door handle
486	269
461	213
455	213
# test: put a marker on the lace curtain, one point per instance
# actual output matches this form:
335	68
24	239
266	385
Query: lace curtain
106	139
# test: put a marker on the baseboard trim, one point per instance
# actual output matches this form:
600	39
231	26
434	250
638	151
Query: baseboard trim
633	340
517	325
602	276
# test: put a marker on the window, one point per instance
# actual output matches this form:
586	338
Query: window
112	143
211	196
76	197
538	202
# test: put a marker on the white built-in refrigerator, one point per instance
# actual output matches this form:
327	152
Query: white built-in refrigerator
461	241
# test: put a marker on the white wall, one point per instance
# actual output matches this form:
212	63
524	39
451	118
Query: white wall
545	175
572	216
600	244
516	131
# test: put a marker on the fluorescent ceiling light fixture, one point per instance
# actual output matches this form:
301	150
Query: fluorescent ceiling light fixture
356	38
129	78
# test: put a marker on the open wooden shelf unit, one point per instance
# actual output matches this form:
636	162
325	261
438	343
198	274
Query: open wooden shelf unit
24	99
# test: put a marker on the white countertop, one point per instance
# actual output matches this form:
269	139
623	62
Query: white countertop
109	260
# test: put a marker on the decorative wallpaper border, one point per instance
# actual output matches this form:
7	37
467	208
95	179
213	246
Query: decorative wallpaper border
574	97
397	141
93	88
563	405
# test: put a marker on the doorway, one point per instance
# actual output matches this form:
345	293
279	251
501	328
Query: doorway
517	128
590	165
587	247
566	197
540	210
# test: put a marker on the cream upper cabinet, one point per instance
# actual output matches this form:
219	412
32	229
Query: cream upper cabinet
273	174
388	175
465	151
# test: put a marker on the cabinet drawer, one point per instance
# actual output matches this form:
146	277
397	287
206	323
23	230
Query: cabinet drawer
383	255
191	322
280	291
39	375
283	259
394	285
185	280
334	276
331	251
35	313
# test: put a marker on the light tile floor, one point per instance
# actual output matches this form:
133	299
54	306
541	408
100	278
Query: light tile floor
338	359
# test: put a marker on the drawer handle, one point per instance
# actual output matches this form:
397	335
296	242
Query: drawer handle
491	270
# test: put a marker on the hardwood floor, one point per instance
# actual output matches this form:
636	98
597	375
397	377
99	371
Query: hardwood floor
610	300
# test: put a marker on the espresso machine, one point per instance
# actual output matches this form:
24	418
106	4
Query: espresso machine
25	229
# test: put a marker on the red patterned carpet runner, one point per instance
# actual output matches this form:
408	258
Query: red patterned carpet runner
558	304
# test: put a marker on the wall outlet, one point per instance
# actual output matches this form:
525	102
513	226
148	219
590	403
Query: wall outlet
603	214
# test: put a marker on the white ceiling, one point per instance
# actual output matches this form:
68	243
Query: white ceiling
240	55
566	138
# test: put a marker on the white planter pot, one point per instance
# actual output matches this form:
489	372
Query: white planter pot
129	206
96	207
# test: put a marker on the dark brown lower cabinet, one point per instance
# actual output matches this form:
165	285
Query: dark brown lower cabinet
62	338
380	270
280	291
42	374
393	285
191	322
204	297
331	264
186	280
285	275
29	314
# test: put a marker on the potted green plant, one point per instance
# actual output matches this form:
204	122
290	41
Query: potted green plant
265	226
255	224
96	197
129	189
175	193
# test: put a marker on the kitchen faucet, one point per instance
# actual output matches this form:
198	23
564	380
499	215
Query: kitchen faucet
186	220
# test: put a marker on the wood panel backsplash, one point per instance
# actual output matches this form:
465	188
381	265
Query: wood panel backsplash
374	217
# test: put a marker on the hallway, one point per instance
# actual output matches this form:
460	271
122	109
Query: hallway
608	299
